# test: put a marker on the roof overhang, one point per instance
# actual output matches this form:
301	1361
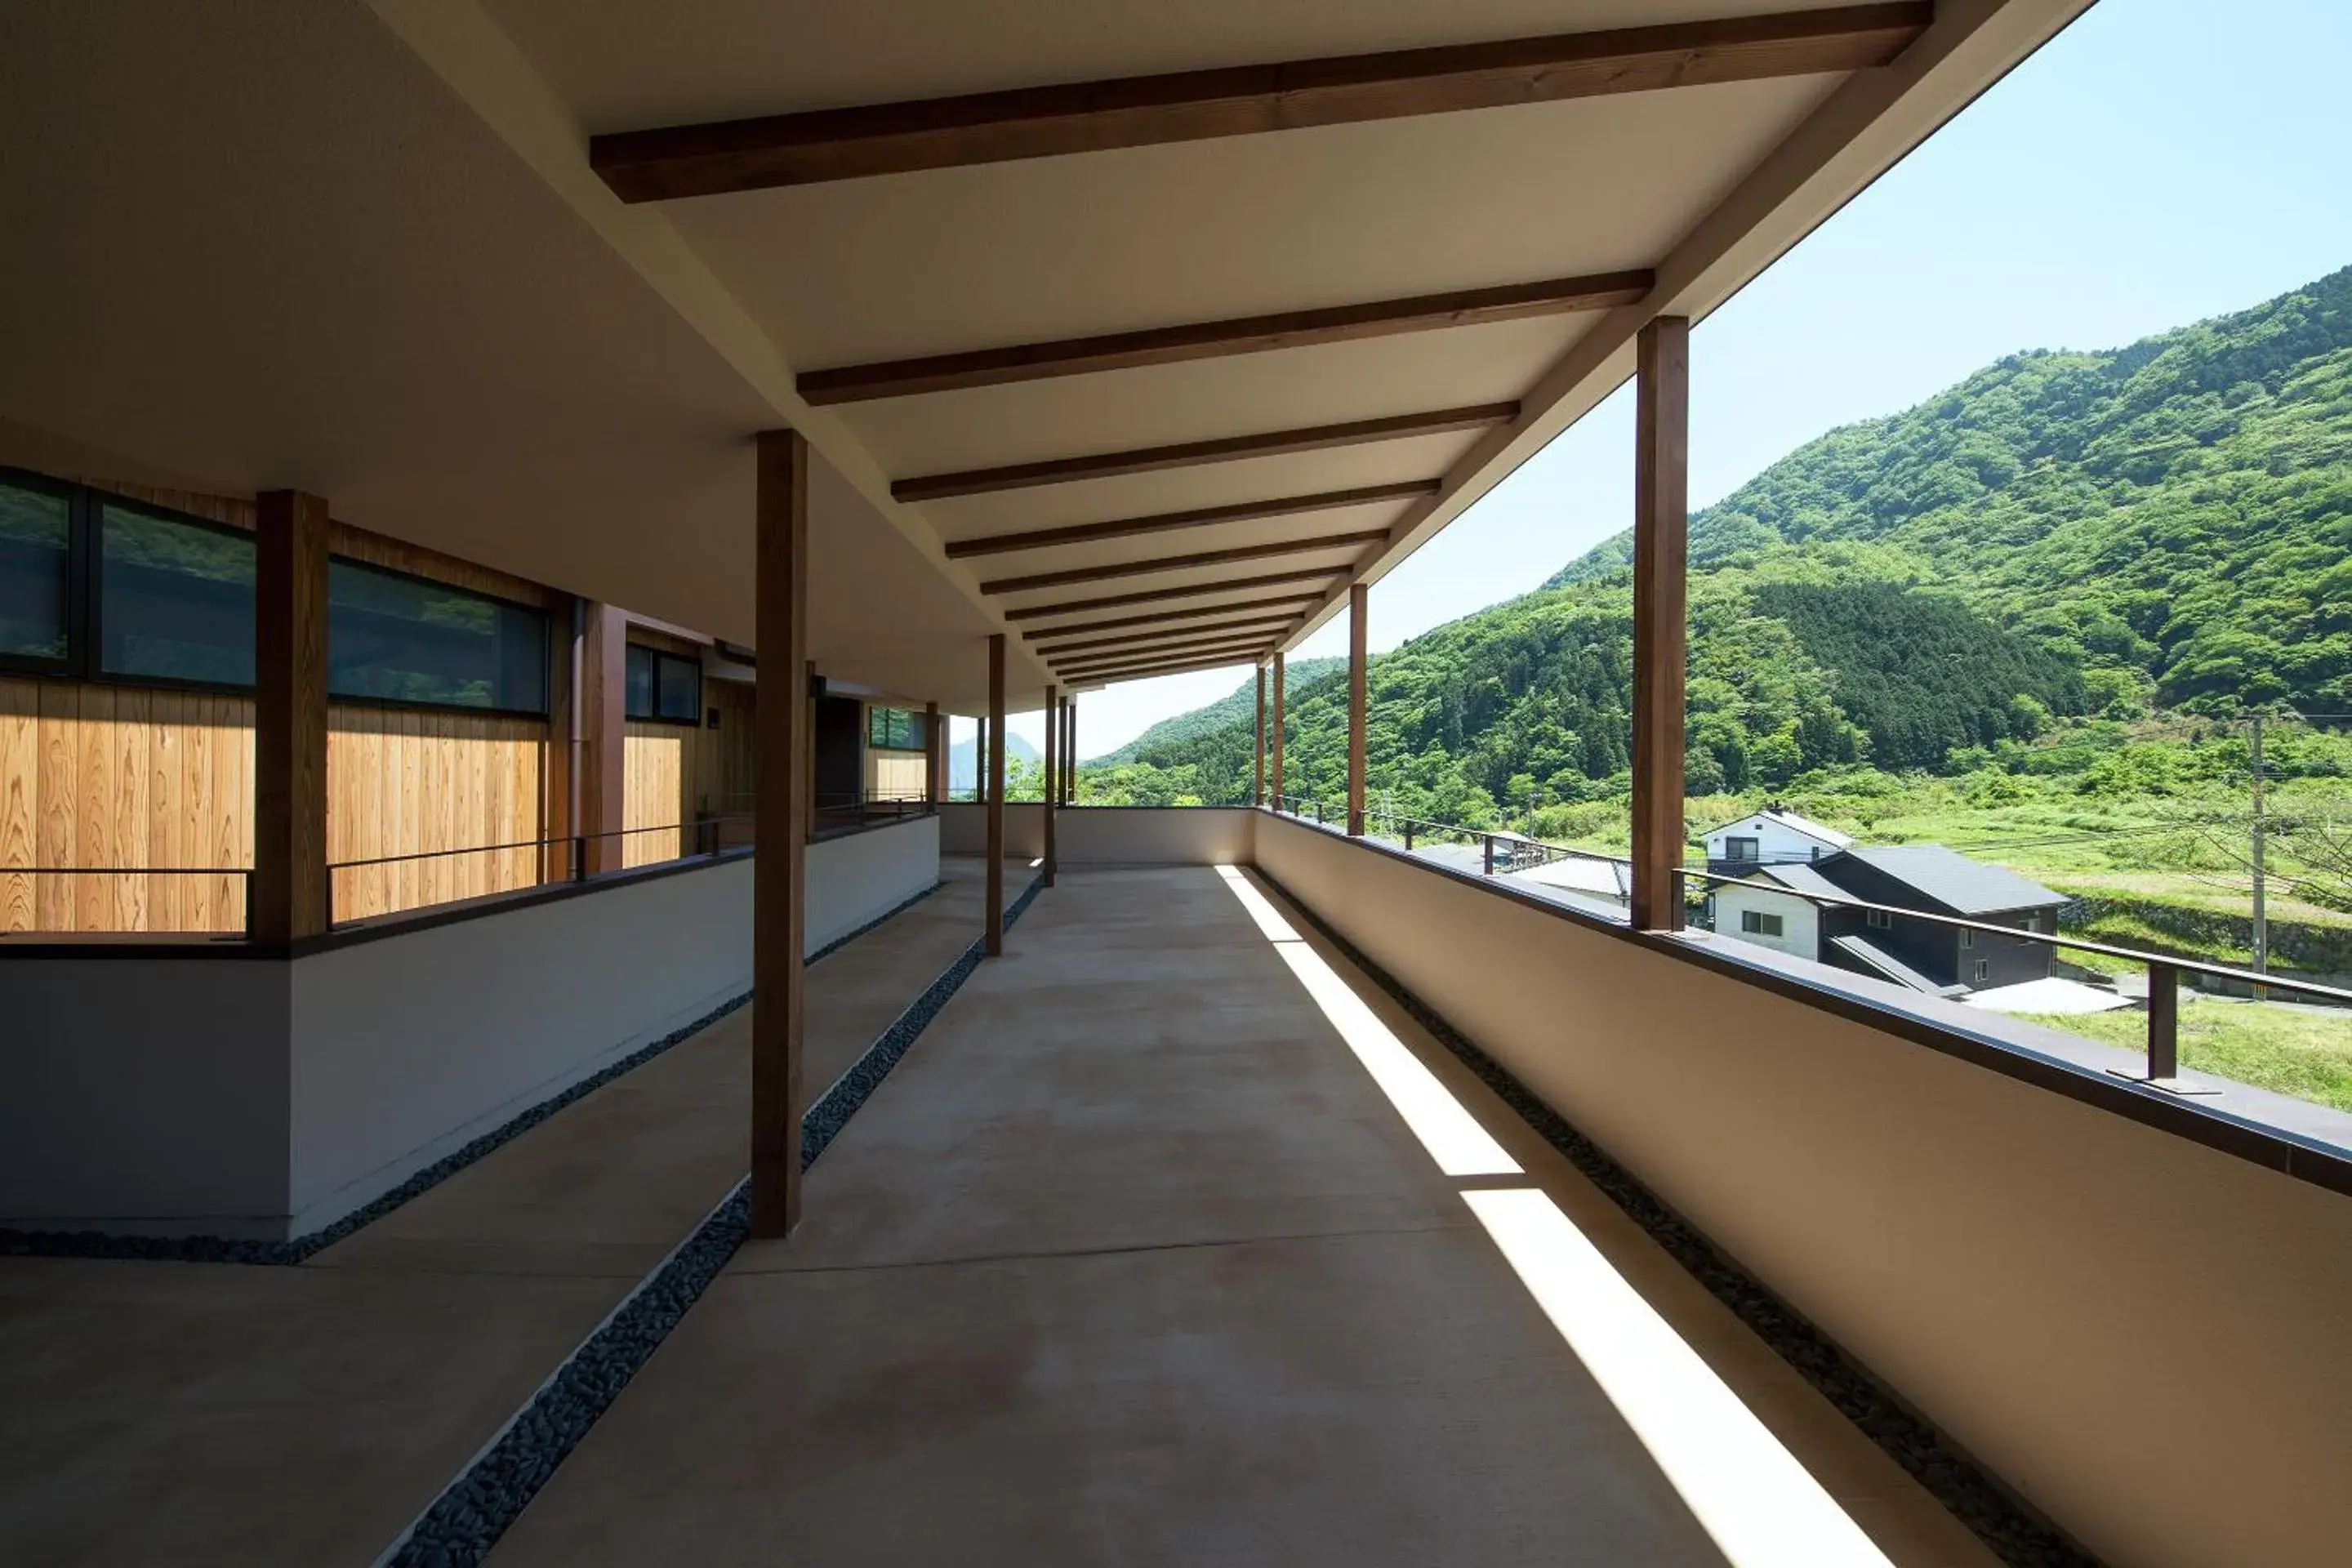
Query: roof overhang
1091	312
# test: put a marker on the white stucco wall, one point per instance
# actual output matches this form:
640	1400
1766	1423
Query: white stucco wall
1800	922
253	1098
143	1095
2066	1290
1776	841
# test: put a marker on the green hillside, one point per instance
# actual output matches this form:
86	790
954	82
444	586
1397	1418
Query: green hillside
2026	607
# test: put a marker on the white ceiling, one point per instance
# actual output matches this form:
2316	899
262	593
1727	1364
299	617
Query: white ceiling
357	248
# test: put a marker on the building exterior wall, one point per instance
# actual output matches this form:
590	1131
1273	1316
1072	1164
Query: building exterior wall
1801	933
1776	842
2025	1268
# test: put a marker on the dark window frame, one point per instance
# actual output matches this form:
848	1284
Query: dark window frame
915	719
659	656
79	578
1752	924
1745	848
544	712
84	587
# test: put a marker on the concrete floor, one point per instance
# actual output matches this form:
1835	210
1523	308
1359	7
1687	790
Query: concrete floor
1130	1261
219	1413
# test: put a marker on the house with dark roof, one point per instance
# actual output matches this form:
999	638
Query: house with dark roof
1771	909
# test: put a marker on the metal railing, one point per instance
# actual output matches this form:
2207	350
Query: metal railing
132	915
1501	852
572	863
2164	970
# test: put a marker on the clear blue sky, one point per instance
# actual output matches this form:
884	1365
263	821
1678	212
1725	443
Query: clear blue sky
2147	168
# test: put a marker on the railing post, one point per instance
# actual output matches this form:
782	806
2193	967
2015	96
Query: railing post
1408	832
2163	1021
1488	840
579	858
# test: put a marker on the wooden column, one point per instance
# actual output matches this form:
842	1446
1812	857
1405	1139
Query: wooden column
932	751
1278	731
559	811
980	760
1257	768
779	918
993	769
1070	750
808	750
1050	781
1357	593
288	891
604	740
1661	455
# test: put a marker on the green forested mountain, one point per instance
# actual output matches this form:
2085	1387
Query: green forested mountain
2063	536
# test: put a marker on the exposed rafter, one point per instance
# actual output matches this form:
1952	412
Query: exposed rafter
1197	517
1074	658
1203	658
1219	339
1193	454
1091	681
1189	106
1290	605
1181	631
1187	591
1183	562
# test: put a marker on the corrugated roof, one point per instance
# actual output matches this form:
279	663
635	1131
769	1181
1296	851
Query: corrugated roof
1951	879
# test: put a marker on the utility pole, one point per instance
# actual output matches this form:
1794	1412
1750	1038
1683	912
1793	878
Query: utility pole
2261	928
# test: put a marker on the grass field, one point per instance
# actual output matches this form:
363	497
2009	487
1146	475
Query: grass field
2296	1051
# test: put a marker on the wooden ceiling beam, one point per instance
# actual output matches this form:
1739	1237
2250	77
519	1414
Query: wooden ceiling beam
1197	517
1157	564
823	145
1210	657
1195	454
1181	631
1254	637
1290	605
1220	340
1189	591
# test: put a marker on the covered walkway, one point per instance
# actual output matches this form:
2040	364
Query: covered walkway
1174	1241
226	1413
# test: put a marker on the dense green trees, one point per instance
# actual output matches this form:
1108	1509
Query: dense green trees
2166	526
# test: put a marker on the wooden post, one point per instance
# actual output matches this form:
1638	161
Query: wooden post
808	701
778	913
559	811
604	740
932	751
1070	750
289	893
1356	593
1278	731
980	760
993	768
1050	781
1661	481
1257	769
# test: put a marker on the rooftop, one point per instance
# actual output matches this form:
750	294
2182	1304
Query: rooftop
1963	886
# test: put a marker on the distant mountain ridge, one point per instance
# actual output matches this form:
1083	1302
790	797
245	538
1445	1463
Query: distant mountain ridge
963	768
2167	525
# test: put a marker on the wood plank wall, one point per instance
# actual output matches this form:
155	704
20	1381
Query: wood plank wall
674	774
95	776
404	781
98	775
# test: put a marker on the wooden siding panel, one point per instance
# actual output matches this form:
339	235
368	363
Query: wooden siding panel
20	801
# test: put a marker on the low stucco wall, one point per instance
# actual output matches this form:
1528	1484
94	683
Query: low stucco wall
861	877
2145	1336
264	1099
146	1095
1153	836
964	828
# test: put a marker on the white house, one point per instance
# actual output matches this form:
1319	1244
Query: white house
1765	908
1772	837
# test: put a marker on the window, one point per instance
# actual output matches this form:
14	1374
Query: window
1968	938
1755	923
36	573
665	686
1983	969
1878	920
894	729
398	639
175	598
1739	849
